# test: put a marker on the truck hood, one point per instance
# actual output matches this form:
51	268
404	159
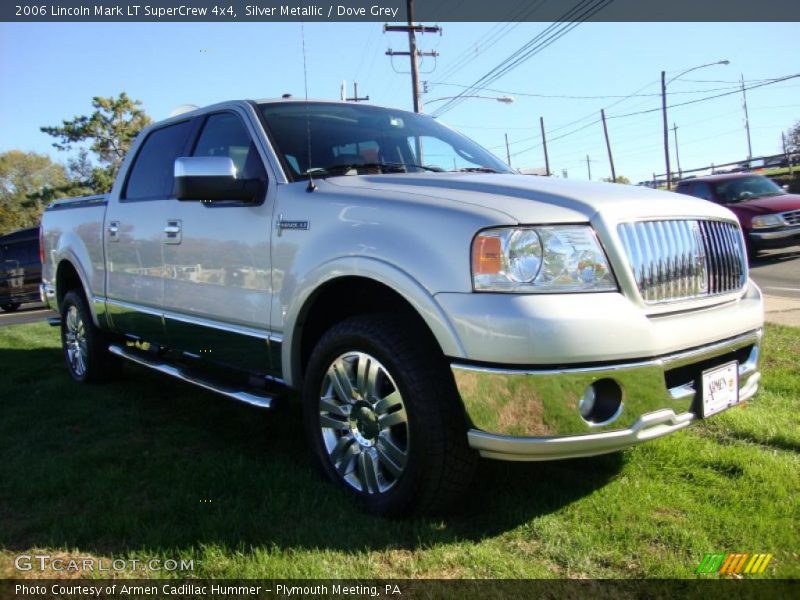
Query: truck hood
768	205
531	199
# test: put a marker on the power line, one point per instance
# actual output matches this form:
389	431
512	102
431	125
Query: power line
566	23
514	18
695	101
572	97
737	91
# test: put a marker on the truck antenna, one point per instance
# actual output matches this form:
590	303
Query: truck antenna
311	185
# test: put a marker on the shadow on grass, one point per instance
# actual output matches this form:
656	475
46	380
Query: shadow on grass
147	462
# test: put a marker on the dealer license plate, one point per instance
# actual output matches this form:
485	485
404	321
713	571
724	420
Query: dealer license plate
720	388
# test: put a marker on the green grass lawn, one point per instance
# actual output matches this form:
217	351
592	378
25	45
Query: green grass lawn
149	467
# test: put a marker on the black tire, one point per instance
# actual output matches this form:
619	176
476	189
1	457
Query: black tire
10	307
85	347
437	463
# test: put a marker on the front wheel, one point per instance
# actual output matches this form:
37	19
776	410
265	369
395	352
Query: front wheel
85	347
10	307
383	417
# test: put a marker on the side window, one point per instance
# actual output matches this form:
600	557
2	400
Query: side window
224	134
152	174
701	190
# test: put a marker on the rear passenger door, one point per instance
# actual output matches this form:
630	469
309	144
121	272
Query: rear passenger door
136	229
217	267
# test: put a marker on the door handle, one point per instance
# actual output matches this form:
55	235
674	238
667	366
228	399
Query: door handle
113	231
172	232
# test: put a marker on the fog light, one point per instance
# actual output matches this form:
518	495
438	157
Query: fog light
601	402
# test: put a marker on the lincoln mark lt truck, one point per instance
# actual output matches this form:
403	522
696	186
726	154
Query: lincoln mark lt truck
429	304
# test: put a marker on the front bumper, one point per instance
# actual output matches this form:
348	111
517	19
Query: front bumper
532	414
777	238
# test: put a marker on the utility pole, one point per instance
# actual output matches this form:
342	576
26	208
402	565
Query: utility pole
508	152
747	124
786	153
589	167
608	146
677	156
544	143
666	128
412	53
355	97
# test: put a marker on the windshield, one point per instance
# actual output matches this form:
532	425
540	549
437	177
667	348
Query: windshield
746	188
353	139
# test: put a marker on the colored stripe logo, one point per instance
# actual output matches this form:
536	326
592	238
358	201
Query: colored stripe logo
734	562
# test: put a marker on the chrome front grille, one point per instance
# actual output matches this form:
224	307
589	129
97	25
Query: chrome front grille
792	217
684	259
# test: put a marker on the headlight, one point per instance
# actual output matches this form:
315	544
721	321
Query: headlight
547	259
765	221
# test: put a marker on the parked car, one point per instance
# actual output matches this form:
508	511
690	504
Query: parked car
769	216
430	304
21	271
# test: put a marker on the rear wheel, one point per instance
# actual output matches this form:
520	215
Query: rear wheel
383	417
85	346
10	307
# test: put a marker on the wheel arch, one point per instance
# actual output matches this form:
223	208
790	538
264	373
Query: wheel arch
69	276
371	286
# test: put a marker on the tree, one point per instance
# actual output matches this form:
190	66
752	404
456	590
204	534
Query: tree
28	183
108	132
793	139
620	179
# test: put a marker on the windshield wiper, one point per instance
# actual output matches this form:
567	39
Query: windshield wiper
384	167
477	170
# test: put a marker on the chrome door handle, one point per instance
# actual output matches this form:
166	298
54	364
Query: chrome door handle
172	232
113	231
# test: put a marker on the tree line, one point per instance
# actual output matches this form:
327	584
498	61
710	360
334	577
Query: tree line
97	144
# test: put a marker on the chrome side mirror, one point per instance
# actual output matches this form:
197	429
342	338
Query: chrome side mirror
212	178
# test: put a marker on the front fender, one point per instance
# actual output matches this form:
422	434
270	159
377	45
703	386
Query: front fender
370	268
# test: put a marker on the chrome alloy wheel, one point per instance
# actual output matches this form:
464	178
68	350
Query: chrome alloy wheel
364	423
75	341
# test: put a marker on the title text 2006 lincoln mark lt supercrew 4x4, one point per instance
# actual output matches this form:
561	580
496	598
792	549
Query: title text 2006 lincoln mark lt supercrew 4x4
431	305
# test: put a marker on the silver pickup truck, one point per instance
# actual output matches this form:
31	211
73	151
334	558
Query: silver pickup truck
430	304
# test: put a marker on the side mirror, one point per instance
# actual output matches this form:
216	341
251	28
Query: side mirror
785	187
213	178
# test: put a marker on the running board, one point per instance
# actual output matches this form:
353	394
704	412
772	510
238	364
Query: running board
253	399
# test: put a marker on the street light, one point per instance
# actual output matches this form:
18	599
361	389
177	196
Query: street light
664	83
501	99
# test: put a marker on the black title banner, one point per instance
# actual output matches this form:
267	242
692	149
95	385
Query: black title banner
402	589
397	10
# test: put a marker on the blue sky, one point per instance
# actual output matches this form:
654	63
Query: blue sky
50	71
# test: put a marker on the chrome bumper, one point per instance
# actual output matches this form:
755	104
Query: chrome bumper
533	414
47	294
779	234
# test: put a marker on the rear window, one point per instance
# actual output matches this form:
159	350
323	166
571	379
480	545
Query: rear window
152	174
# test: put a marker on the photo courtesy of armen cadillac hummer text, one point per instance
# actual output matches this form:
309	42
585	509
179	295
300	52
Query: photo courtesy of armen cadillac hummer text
429	304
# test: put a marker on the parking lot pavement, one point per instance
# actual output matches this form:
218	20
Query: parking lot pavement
27	313
782	310
777	272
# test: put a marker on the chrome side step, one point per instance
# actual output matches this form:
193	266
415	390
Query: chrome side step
248	397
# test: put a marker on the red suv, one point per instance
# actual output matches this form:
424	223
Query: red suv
769	216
